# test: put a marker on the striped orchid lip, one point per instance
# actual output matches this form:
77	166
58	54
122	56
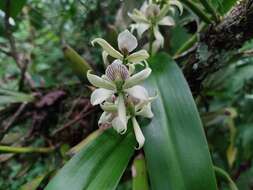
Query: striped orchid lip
117	71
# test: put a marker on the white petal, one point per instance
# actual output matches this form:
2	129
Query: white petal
146	111
138	134
163	12
100	95
158	36
138	56
127	41
100	82
109	107
177	4
167	21
138	92
141	28
108	48
137	78
119	125
131	68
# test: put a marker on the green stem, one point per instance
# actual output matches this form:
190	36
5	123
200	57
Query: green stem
10	149
226	176
151	40
139	173
197	10
190	42
208	6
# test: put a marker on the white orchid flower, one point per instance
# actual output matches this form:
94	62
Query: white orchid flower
150	16
117	80
119	92
127	42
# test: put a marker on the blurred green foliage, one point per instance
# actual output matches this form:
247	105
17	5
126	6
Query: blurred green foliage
41	28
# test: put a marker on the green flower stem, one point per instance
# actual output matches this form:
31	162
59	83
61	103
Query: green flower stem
197	10
190	42
139	173
10	149
209	7
151	40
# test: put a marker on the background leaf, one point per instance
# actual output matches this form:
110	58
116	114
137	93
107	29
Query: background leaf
15	7
175	149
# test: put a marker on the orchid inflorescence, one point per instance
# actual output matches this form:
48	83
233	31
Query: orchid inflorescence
151	15
119	92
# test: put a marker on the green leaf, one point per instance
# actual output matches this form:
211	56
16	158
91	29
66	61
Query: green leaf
224	6
99	165
15	6
9	96
175	148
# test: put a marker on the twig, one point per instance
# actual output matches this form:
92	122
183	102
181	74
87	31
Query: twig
10	149
13	119
22	78
5	52
13	52
72	122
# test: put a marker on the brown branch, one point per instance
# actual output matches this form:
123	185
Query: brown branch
220	43
13	119
84	113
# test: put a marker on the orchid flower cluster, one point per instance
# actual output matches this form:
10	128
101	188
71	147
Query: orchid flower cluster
119	92
150	16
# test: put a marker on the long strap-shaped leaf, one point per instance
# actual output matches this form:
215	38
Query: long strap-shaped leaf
176	149
99	165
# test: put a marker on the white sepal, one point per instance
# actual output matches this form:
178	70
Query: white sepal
138	56
138	17
105	58
163	12
120	122
146	111
100	95
108	48
100	82
167	21
137	78
138	134
105	119
158	36
138	92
